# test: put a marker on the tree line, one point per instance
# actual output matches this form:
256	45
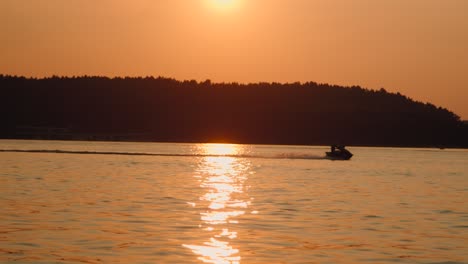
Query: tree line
165	109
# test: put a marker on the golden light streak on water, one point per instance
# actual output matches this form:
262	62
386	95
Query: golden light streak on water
216	251
222	179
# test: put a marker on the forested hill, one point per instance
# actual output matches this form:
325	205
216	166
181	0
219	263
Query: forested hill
162	109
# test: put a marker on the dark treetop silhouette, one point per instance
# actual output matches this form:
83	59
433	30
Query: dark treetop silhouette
162	109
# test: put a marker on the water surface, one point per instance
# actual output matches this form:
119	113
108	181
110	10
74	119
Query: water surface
215	203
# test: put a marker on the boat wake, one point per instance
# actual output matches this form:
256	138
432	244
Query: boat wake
259	156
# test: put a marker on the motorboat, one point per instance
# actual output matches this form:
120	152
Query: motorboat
338	153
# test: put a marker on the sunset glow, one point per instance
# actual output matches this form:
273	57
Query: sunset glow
417	48
234	131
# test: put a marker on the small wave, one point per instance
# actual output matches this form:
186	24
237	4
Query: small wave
82	152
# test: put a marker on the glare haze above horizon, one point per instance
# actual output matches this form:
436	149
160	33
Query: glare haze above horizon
417	47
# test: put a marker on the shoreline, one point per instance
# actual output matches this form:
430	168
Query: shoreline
242	143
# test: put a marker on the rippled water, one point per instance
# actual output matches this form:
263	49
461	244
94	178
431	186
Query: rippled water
215	203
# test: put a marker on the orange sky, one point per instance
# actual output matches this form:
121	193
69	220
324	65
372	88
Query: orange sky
416	47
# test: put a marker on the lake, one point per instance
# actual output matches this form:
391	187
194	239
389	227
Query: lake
114	202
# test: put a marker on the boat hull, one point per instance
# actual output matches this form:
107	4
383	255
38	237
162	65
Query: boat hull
339	156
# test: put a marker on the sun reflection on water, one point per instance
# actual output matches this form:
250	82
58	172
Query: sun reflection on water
220	149
224	199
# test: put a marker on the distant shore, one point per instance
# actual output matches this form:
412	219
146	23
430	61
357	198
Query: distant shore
109	139
167	110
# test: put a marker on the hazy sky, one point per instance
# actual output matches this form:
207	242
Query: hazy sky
416	47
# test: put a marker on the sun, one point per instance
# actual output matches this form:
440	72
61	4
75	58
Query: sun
224	4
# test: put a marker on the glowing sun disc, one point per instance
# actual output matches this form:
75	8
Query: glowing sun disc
224	4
